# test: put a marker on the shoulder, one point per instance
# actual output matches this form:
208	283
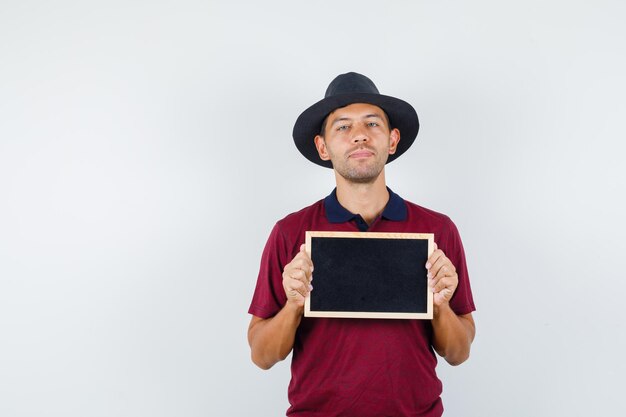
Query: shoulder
446	232
296	220
434	218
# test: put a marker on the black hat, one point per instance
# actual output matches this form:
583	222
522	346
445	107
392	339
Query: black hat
344	90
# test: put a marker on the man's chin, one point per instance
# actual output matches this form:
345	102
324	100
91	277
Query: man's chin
362	180
360	177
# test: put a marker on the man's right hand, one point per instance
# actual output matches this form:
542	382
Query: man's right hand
297	278
272	339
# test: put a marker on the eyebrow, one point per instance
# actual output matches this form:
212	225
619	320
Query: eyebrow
367	116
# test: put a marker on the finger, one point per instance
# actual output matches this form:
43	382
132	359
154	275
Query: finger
301	263
304	258
297	274
297	270
304	273
443	297
303	288
433	264
296	297
446	272
292	293
298	286
432	284
434	257
440	284
442	268
450	283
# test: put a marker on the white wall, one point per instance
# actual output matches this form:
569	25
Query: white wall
146	152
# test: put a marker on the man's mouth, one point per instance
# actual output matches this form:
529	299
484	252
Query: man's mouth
361	153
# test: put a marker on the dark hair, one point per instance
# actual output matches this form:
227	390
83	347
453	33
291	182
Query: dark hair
323	128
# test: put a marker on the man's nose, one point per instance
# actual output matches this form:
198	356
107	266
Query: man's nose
359	135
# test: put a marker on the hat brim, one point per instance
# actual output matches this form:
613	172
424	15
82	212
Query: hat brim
402	116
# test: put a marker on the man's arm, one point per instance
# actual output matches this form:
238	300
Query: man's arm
452	334
272	339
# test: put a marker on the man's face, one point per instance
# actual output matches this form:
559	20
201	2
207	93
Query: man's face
358	141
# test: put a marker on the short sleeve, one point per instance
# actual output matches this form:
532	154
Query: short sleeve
269	295
462	301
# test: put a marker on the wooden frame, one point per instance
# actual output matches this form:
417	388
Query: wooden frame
326	270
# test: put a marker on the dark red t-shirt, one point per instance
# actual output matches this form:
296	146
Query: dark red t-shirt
360	367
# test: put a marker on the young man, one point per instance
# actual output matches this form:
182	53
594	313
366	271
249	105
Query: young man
359	367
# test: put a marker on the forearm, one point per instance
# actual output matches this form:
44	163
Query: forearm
272	339
452	334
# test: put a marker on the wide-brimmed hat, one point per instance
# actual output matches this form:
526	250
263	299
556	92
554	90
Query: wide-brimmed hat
344	90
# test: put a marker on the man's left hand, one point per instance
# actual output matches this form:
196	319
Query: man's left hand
442	277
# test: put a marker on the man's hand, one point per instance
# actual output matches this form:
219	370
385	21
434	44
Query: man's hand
452	334
272	339
297	278
442	276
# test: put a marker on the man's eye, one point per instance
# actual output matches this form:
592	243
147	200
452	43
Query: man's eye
372	124
343	127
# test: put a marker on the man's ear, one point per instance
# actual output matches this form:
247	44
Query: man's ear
320	144
394	138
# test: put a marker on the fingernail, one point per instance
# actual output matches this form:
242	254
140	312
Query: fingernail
310	287
428	265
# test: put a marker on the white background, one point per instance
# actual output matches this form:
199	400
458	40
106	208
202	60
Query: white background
146	152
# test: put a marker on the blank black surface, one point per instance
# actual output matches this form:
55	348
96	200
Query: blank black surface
369	275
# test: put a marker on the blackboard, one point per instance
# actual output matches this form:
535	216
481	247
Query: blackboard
369	275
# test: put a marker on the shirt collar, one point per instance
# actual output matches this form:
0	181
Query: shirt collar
395	209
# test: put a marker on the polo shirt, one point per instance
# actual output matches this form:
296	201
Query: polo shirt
360	367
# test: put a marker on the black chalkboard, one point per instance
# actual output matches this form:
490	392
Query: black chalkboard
369	275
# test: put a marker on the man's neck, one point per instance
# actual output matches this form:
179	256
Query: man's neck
368	200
